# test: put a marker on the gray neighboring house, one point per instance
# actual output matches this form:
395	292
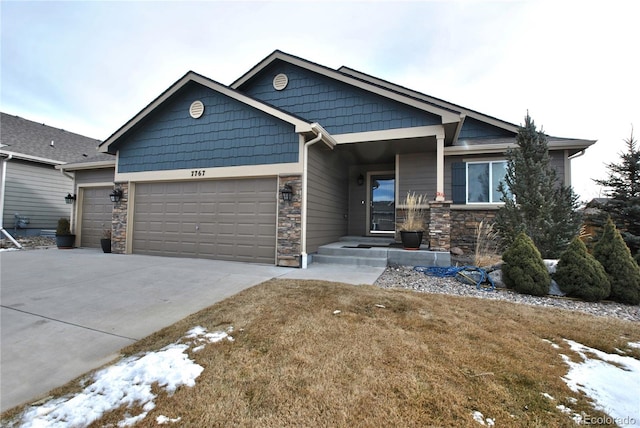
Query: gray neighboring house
32	162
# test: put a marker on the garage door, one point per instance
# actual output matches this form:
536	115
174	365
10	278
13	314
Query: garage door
219	219
96	215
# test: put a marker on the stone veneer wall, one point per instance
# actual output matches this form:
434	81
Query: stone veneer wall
440	225
464	224
119	221
290	223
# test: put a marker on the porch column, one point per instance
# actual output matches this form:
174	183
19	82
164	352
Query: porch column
440	169
440	225
289	223
119	221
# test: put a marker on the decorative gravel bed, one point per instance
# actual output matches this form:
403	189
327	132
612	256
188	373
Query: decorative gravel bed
406	277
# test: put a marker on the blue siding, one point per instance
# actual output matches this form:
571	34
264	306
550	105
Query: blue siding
473	128
229	133
340	108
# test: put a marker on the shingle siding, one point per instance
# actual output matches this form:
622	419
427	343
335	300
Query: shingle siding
229	133
339	107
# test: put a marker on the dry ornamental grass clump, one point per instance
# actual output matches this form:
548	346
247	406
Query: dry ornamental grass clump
388	358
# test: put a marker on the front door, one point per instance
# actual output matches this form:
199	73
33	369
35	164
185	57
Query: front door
382	203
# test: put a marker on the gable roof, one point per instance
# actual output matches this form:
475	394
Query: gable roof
448	115
301	126
37	142
465	112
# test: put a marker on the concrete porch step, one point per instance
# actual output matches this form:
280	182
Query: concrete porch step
350	260
367	251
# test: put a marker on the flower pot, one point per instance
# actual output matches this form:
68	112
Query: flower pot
105	243
65	242
411	240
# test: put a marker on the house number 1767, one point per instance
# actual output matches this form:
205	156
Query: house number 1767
197	172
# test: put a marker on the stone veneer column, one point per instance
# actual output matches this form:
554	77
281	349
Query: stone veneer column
290	223
440	225
119	221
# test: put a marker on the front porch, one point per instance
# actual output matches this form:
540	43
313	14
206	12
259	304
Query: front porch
378	252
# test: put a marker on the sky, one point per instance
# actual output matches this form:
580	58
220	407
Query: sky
609	380
88	66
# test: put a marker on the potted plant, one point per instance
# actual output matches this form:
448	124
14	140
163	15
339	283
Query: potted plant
64	238
413	225
105	241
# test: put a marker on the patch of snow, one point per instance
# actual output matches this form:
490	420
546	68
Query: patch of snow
547	396
163	420
126	383
610	380
479	417
634	345
336	312
553	345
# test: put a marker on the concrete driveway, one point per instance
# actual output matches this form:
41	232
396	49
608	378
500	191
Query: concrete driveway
65	312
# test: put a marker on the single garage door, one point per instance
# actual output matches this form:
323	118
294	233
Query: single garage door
96	215
217	219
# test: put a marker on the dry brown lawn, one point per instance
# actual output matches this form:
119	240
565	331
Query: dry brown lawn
420	360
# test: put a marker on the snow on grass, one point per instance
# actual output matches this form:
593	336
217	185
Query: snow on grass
479	417
611	381
127	383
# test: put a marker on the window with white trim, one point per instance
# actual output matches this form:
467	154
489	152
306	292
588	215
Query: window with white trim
483	179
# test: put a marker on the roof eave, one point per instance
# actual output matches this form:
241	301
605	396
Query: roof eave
299	124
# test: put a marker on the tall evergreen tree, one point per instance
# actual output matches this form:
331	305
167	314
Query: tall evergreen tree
623	185
535	202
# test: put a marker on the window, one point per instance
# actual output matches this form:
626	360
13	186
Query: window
483	179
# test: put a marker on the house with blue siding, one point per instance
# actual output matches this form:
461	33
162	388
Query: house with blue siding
294	155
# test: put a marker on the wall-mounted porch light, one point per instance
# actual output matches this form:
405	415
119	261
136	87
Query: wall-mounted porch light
69	199
286	192
116	195
360	180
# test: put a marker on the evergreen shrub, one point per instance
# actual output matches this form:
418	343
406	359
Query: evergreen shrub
623	271
523	269
580	275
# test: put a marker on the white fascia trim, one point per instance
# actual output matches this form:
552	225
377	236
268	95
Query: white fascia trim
96	184
391	134
300	125
31	158
326	137
196	174
447	116
503	147
88	165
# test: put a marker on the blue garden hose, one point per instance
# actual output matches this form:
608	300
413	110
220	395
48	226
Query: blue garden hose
485	283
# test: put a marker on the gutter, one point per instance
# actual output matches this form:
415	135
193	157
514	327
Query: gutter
321	135
2	189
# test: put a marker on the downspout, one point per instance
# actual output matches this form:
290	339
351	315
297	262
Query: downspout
567	177
2	189
73	180
303	214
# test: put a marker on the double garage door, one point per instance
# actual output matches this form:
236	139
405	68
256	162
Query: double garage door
218	219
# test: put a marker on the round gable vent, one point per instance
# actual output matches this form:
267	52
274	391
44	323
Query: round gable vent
280	82
196	110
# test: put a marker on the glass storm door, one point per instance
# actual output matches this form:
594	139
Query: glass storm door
382	197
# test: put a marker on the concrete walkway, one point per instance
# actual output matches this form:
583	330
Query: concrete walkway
66	312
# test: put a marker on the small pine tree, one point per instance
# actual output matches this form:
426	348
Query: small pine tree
623	185
624	273
580	275
535	201
523	269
